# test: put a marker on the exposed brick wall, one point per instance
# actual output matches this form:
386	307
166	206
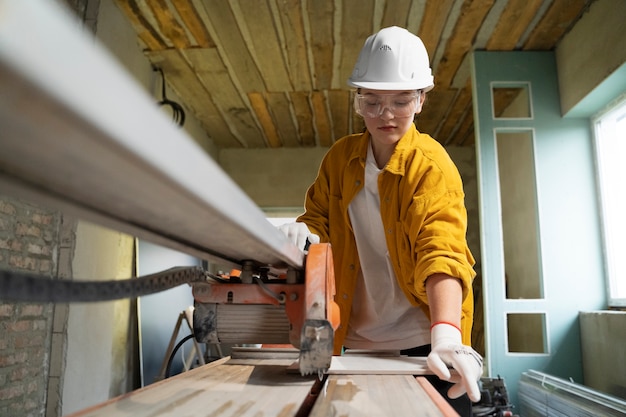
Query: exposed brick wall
29	240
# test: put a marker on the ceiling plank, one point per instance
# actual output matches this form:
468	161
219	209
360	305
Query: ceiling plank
455	116
321	22
396	13
213	75
304	117
279	106
433	21
189	15
171	29
146	33
512	24
182	80
322	122
434	111
473	13
223	28
291	18
257	27
338	101
354	35
263	115
555	23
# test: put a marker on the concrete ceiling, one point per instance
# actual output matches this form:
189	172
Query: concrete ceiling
272	73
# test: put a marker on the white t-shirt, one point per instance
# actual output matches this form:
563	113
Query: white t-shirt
381	317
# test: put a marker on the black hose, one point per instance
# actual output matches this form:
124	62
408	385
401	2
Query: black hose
171	358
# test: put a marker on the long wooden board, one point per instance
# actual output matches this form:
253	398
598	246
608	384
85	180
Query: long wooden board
219	389
263	387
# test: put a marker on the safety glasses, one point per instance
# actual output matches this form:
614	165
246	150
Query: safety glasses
374	105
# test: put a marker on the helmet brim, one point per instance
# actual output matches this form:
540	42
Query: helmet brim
424	86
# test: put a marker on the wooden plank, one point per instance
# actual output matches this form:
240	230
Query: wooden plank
168	24
513	22
354	35
189	15
374	396
322	122
278	104
304	117
378	365
396	13
338	102
557	20
223	388
223	28
145	31
450	124
473	12
257	27
263	115
183	80
213	75
433	21
434	112
290	15
320	19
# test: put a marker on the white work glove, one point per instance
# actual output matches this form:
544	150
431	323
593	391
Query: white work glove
447	349
298	233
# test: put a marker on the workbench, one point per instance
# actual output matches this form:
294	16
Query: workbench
264	387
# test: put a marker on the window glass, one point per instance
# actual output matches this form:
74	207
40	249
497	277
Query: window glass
610	145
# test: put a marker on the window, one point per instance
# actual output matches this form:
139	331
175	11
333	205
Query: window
610	146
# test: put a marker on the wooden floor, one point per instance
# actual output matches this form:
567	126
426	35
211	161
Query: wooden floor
263	387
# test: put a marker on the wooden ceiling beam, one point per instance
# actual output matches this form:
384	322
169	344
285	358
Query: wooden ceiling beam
145	32
354	35
338	102
168	24
210	70
512	24
195	98
396	13
557	20
280	108
304	117
294	43
224	29
263	115
473	12
189	15
433	21
320	21
322	122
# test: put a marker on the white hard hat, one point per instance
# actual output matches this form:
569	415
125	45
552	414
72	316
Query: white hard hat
392	59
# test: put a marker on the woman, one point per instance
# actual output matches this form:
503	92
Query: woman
391	203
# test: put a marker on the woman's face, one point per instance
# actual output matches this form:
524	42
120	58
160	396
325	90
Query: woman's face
388	115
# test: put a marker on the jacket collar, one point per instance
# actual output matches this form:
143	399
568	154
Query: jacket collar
397	162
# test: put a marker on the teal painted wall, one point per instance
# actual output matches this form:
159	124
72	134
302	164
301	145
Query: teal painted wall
570	256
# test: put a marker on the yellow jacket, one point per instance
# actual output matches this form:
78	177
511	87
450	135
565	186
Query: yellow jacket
423	214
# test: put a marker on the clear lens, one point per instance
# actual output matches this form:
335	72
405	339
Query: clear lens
374	105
